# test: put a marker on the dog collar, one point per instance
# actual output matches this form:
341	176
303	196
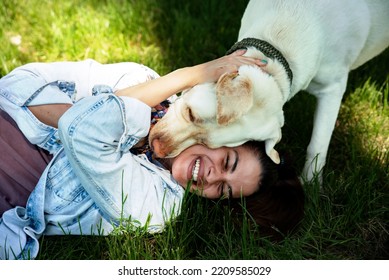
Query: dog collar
266	48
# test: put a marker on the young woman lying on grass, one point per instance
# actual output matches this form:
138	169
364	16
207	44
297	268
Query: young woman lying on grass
68	131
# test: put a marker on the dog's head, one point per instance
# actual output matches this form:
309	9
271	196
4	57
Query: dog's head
241	106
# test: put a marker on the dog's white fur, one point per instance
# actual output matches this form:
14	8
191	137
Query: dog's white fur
322	41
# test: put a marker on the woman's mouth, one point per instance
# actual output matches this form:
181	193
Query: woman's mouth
195	171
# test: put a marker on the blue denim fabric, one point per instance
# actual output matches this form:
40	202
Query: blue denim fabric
93	181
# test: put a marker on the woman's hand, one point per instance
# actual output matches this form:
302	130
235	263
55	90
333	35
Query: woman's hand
155	91
212	70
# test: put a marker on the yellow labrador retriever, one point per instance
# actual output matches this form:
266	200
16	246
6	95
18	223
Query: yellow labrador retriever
309	45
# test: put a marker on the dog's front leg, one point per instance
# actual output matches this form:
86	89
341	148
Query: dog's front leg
329	99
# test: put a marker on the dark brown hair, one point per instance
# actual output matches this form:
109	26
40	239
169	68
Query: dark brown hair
278	205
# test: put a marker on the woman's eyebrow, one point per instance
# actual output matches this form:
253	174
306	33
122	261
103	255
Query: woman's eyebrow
236	161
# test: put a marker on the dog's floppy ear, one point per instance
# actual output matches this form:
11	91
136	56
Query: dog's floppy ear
234	97
270	151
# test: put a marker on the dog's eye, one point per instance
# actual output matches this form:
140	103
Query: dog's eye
190	114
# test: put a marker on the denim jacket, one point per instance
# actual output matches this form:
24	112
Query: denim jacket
93	182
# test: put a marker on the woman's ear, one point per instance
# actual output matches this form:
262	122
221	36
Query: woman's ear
234	97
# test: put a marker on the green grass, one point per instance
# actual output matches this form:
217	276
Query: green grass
348	219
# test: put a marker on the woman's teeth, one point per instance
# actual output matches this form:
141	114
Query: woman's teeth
195	171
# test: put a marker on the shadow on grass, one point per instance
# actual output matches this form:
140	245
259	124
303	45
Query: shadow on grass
192	32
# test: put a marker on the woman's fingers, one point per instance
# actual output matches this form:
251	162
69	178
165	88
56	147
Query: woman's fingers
212	70
239	52
232	62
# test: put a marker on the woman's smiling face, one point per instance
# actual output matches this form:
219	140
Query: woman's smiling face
221	172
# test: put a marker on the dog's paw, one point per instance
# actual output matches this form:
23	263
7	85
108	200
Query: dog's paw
312	173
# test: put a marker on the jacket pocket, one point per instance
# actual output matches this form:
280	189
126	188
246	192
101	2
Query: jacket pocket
63	189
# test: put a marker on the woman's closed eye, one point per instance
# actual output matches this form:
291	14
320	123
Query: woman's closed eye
227	160
221	190
225	191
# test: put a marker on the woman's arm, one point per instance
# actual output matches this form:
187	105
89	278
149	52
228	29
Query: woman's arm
97	134
49	114
155	91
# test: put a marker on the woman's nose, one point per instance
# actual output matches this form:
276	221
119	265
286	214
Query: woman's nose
215	175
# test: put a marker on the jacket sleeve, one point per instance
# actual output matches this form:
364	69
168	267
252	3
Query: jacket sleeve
97	134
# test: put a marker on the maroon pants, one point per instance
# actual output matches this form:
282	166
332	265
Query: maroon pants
21	164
